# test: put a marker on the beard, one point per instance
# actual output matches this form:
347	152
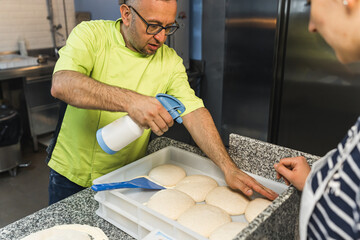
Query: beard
134	42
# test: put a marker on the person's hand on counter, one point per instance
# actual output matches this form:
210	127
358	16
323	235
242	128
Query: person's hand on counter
237	179
293	170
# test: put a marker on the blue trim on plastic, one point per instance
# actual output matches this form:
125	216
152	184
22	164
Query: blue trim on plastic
101	142
134	183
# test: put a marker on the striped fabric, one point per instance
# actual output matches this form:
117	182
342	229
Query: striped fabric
336	215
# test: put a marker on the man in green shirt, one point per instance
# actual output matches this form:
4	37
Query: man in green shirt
109	69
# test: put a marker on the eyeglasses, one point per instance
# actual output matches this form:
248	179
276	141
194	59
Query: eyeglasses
154	29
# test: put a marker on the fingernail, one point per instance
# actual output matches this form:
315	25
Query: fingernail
249	192
276	165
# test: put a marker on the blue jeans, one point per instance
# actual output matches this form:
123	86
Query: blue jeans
60	187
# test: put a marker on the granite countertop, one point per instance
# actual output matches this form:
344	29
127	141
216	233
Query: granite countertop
246	153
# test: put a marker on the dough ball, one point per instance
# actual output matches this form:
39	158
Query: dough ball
68	232
170	203
167	175
204	218
228	231
255	207
196	186
234	203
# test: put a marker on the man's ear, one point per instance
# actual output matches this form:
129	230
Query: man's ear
125	14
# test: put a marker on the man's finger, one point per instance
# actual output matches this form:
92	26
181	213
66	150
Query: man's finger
270	194
255	185
166	117
245	189
155	128
161	124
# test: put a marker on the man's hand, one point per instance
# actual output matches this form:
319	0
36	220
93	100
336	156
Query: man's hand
293	170
202	129
148	112
237	179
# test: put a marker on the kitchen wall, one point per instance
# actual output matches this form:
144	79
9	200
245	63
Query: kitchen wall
107	10
28	20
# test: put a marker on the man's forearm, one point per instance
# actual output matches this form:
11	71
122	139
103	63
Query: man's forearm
202	129
82	91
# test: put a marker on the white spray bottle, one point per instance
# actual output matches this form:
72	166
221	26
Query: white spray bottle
124	130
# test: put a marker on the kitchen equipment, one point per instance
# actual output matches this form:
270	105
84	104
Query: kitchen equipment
10	134
42	58
140	182
278	76
15	60
126	209
42	108
123	131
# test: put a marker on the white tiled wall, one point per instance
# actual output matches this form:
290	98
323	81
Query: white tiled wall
27	19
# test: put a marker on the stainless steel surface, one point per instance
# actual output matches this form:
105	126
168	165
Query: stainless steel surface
268	78
238	50
41	69
10	157
213	50
319	97
249	54
15	61
42	108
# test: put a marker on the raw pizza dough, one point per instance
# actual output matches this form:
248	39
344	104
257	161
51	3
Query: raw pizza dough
167	175
255	207
234	203
170	202
204	218
196	186
228	231
69	232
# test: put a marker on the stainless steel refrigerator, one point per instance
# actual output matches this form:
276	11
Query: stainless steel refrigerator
268	78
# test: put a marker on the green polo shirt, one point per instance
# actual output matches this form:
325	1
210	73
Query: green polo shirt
97	49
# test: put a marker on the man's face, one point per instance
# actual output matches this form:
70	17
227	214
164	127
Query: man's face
153	12
330	19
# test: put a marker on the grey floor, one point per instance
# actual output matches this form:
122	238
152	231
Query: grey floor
25	193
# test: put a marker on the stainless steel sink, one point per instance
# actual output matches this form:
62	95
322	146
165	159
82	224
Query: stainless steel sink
15	60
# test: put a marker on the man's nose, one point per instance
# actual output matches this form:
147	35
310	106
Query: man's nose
160	37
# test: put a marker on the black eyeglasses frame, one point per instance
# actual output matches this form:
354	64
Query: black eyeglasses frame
175	27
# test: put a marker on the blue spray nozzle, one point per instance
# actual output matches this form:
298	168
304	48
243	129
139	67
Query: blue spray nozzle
172	105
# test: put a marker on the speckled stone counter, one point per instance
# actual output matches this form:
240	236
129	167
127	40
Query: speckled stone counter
279	221
77	209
